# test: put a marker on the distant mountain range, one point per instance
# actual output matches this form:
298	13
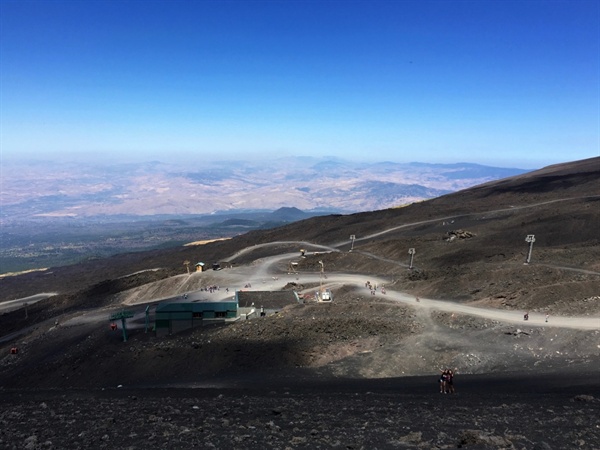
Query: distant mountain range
50	189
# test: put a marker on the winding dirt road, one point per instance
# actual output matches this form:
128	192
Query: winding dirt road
265	277
12	305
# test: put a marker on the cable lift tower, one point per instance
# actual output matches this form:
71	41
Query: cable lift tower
123	316
411	252
531	239
324	294
293	268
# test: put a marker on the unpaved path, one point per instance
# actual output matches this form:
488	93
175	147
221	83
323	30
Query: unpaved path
270	244
578	323
484	213
457	216
18	303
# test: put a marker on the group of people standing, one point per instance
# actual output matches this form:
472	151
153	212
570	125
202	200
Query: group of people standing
373	288
447	381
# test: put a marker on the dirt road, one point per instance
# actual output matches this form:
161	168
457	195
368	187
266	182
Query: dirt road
265	276
12	305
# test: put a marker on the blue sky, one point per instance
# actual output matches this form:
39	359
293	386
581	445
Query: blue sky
508	83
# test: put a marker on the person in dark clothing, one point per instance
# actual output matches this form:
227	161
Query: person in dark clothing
450	381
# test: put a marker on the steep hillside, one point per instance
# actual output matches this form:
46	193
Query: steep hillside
470	250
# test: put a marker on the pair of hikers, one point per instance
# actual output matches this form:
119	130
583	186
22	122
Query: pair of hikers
526	316
447	381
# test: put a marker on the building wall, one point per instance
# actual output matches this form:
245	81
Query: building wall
175	317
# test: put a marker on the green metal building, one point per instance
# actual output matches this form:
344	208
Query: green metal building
175	317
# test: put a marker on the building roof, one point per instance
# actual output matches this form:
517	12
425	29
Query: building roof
266	299
196	306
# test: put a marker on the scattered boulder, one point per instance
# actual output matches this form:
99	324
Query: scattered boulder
516	332
541	446
585	399
483	439
459	234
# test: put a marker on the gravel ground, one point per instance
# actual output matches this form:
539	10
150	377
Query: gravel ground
510	412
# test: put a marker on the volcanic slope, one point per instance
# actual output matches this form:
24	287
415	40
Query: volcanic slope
470	250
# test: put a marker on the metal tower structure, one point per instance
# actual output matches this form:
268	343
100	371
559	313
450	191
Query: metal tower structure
411	252
121	315
531	239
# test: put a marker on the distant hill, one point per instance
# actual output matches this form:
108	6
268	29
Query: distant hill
50	190
266	220
239	223
287	214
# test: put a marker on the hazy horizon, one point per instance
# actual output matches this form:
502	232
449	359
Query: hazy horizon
505	84
264	160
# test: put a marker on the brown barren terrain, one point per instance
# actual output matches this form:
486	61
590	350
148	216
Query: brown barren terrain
360	372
